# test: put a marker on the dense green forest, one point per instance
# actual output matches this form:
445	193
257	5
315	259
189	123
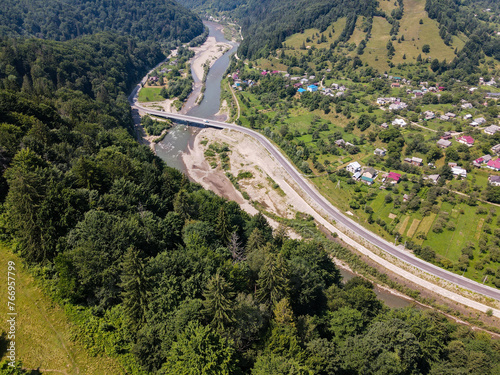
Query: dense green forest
267	23
150	20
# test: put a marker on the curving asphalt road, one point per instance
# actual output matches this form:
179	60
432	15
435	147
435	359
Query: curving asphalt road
333	212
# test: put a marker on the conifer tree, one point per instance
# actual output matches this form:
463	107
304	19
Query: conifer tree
136	286
255	240
272	285
219	302
223	226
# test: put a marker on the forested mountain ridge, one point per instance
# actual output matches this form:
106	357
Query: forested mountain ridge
274	21
151	20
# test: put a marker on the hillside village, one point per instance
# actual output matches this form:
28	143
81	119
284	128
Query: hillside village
459	119
408	157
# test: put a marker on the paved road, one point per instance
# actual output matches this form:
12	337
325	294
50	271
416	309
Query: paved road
334	213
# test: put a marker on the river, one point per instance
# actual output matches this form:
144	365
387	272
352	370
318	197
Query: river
178	138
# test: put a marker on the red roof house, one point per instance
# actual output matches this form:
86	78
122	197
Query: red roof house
466	140
494	164
395	177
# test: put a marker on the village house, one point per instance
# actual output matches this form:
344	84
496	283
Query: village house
492	129
459	171
380	151
370	172
434	178
467	116
393	177
340	143
416	161
450	115
312	88
367	180
467	106
443	143
466	140
429	115
446	135
397	106
496	149
494	164
353	167
482	160
494	180
384	125
492	95
478	162
356	175
399	122
383	101
444	118
480	120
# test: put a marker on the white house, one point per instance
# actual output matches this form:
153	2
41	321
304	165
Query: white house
492	129
480	120
459	171
399	122
494	180
353	167
496	149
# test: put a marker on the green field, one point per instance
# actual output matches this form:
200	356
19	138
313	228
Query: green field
150	94
297	40
43	332
376	52
416	35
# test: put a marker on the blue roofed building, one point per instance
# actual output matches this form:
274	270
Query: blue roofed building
301	90
367	180
312	88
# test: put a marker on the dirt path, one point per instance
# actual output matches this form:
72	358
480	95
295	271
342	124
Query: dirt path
480	200
236	101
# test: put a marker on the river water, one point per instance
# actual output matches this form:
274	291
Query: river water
176	141
179	137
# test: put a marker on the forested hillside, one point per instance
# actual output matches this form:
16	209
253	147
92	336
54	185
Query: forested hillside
274	21
150	20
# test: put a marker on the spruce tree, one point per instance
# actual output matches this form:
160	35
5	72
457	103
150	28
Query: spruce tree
223	226
136	286
272	285
219	302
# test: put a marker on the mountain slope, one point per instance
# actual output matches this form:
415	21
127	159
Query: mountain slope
68	19
447	26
